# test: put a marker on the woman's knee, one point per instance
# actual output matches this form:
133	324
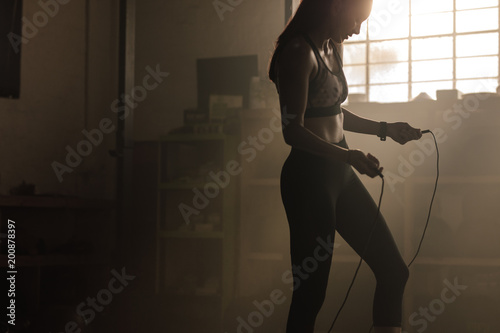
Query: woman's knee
400	272
404	274
396	274
311	297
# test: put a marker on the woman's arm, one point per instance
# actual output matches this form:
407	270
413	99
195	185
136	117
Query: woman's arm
355	123
400	132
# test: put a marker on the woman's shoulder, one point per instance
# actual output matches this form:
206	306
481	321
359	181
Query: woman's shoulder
296	51
297	45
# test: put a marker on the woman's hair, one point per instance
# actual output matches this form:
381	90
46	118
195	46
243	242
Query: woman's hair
308	15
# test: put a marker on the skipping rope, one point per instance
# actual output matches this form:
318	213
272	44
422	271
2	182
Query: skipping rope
374	224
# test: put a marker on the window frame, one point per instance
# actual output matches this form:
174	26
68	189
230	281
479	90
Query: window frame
368	85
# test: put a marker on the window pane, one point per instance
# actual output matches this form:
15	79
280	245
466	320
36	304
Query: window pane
477	44
355	74
431	6
477	20
432	24
389	93
354	53
471	4
354	91
432	48
475	86
388	73
357	90
389	19
432	70
477	67
389	51
430	88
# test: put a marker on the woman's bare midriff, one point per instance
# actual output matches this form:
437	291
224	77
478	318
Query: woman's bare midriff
329	128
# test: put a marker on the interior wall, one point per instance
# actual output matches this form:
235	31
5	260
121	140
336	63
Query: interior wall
173	34
68	82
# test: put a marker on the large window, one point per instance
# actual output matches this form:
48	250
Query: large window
412	46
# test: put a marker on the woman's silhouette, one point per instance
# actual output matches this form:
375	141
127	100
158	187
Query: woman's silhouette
320	191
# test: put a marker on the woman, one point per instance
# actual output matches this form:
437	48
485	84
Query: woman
320	191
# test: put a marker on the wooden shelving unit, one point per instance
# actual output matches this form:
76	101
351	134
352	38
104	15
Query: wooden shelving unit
263	235
196	257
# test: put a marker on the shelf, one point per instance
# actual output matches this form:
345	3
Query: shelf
432	179
271	256
260	114
458	180
447	261
278	257
261	181
38	201
191	234
187	137
181	185
54	260
193	294
265	256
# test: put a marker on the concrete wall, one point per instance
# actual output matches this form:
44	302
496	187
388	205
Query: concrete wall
174	34
68	81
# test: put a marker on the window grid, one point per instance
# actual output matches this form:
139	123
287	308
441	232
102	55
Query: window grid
457	10
421	60
454	44
368	42
410	49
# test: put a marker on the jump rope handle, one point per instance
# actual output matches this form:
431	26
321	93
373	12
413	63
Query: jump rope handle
380	173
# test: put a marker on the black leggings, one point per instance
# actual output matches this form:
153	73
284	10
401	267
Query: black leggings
321	196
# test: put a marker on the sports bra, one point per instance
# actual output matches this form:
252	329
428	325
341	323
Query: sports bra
327	90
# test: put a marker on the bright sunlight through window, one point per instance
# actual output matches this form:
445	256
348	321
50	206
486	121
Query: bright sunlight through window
412	46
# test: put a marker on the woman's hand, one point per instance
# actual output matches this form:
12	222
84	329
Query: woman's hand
365	164
403	132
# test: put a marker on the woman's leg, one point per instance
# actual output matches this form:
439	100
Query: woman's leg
308	189
355	214
311	263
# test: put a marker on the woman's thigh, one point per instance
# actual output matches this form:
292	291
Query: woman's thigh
355	215
309	190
